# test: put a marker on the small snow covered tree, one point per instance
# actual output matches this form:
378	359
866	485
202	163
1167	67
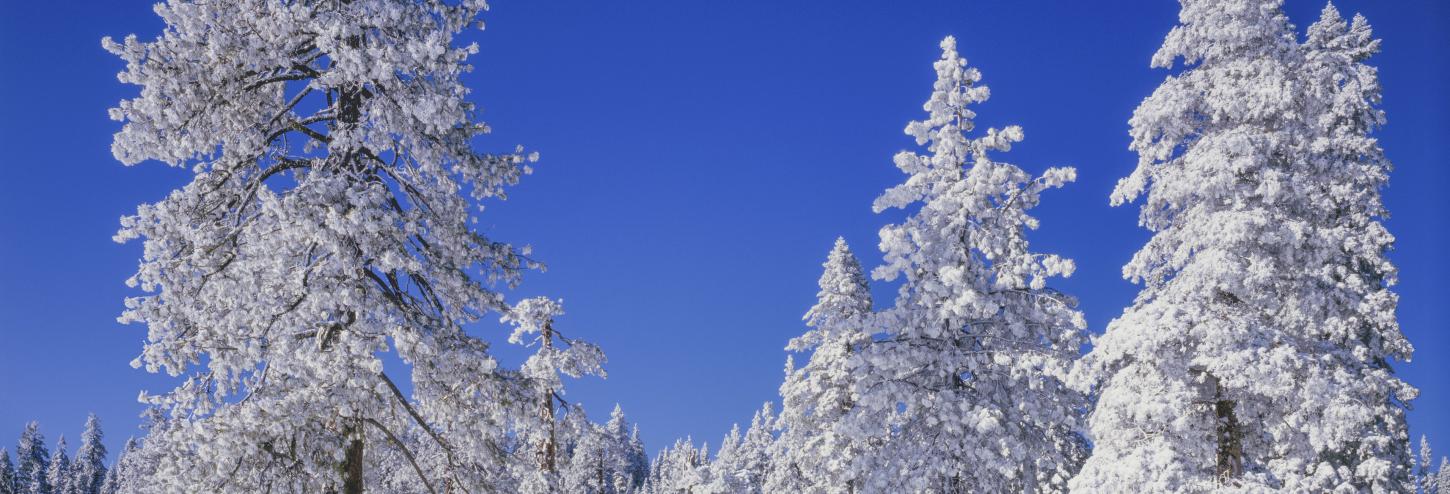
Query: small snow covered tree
7	473
964	389
755	449
556	356
1257	355
680	469
88	470
583	452
120	473
727	468
625	457
327	221
58	474
813	454
32	460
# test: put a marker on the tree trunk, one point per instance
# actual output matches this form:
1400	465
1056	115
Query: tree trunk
1229	434
1029	477
352	471
547	451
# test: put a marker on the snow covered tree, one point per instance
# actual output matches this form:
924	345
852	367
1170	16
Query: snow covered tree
755	449
964	389
625	456
727	472
599	459
1442	477
120	472
7	473
58	474
1257	355
813	454
582	454
32	461
1428	479
88	470
680	469
556	356
334	182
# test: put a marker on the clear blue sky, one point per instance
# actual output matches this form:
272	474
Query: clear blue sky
698	160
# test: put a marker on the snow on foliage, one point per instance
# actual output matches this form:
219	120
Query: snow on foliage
813	453
327	222
1258	354
963	389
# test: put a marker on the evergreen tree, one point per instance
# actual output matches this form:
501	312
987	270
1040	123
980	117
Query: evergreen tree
625	456
813	453
556	356
7	473
727	469
117	475
327	222
58	474
1257	355
88	470
680	469
583	454
638	459
32	461
963	390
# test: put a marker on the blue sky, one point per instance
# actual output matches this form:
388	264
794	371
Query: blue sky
698	159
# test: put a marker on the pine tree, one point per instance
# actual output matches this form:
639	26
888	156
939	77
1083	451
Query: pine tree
556	356
583	454
680	469
58	474
727	469
638	459
117	475
330	145
1442	477
813	454
625	456
32	461
7	473
88	470
964	389
1257	355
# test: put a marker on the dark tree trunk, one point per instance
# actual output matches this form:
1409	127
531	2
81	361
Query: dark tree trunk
352	470
548	450
1230	435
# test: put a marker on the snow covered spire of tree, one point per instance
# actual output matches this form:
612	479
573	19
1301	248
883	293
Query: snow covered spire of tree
556	356
58	474
120	472
32	460
681	468
7	473
744	460
327	221
964	389
1257	355
813	454
625	456
88	469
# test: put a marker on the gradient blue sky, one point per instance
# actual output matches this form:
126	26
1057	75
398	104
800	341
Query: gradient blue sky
698	160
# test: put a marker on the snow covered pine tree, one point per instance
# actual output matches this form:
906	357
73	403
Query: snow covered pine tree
7	473
88	469
32	460
556	356
330	145
1257	355
58	474
813	454
965	385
